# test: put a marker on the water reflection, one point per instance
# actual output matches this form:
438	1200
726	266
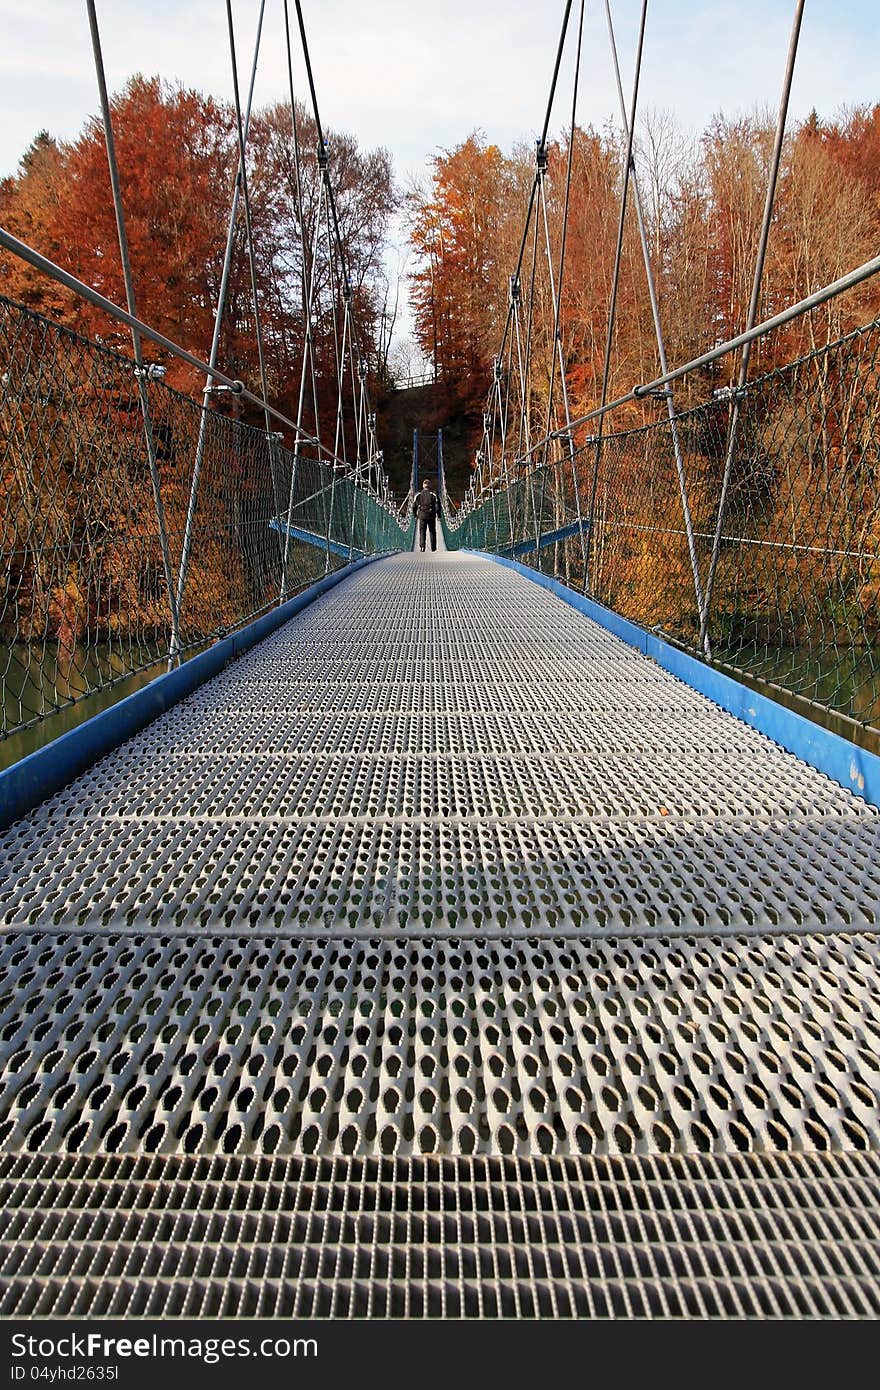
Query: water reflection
57	687
841	695
38	680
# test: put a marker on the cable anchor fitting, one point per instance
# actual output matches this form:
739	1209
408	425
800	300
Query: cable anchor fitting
236	389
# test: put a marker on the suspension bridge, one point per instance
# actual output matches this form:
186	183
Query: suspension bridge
431	935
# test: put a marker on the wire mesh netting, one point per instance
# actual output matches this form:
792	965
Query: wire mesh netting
796	592
97	565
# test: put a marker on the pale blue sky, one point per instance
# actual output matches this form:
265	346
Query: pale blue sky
419	77
416	77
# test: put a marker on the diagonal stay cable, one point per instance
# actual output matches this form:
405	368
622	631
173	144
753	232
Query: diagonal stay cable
525	430
63	277
248	220
339	354
853	277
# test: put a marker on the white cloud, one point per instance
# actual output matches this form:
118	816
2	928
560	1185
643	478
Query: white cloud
417	78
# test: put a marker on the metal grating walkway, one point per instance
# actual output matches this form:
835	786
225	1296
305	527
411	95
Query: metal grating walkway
442	956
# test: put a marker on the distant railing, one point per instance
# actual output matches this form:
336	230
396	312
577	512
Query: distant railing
406	383
788	584
112	560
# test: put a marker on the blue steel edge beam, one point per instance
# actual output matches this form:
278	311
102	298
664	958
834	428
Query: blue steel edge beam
851	767
547	538
320	542
38	776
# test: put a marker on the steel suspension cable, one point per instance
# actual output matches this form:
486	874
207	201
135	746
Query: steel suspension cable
332	209
338	346
517	338
248	221
258	329
557	346
63	277
557	342
349	334
322	144
131	302
503	408
526	419
535	193
854	277
661	344
248	217
541	143
306	282
519	260
215	340
560	47
338	352
304	240
297	154
542	202
307	358
526	403
612	309
753	306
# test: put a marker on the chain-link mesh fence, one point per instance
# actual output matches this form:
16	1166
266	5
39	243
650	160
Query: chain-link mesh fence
522	520
86	599
796	593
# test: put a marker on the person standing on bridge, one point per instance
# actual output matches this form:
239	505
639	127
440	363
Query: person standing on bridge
426	507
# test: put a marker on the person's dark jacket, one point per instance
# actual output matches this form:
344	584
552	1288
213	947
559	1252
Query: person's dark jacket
426	505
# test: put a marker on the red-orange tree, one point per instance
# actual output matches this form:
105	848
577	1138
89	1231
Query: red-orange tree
457	287
177	152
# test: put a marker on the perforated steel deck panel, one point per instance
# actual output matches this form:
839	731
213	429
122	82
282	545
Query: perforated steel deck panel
442	956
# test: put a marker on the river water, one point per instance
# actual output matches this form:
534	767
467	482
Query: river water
844	697
35	679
